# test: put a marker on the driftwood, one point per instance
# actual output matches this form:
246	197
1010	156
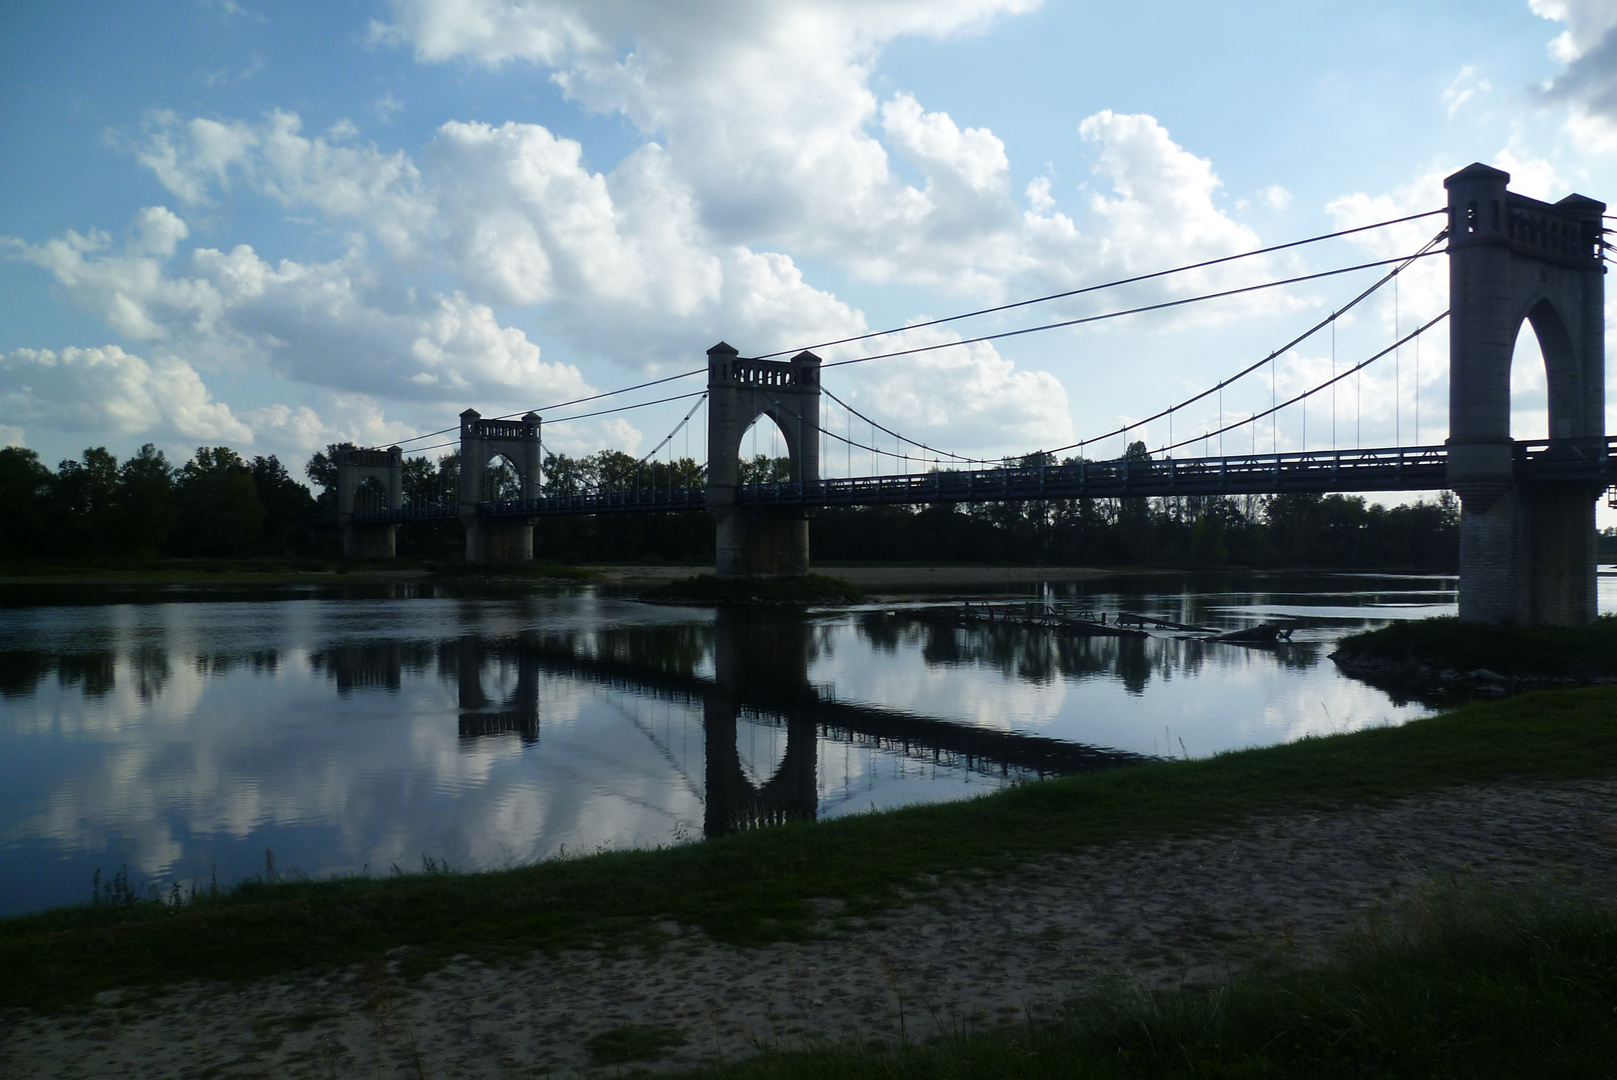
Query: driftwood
987	615
1262	634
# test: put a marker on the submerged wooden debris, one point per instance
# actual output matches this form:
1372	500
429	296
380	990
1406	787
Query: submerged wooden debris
1085	622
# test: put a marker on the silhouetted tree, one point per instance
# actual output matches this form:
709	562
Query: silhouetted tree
220	512
146	503
84	503
25	492
286	502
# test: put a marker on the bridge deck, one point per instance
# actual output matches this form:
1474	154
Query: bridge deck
1408	468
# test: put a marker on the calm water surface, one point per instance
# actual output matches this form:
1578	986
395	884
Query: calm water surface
185	732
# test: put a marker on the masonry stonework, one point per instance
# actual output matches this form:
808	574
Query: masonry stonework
497	540
1527	551
760	541
361	539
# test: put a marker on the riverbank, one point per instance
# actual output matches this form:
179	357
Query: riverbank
987	965
269	571
892	579
755	887
870	579
1446	652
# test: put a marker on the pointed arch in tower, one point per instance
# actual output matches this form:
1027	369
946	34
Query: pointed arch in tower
1527	551
760	541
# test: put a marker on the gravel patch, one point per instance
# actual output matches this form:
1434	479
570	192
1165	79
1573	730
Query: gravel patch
962	953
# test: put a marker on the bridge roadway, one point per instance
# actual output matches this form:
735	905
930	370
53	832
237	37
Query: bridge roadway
918	737
1407	468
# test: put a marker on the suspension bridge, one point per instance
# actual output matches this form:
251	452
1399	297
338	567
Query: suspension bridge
1527	532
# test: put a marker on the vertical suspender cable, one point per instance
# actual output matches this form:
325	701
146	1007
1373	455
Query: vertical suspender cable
1274	415
1417	391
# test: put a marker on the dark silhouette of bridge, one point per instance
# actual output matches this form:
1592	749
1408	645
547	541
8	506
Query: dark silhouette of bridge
1527	536
760	671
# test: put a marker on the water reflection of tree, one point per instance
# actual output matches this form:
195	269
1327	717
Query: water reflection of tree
1297	655
669	650
363	666
150	667
95	673
1041	656
22	671
258	661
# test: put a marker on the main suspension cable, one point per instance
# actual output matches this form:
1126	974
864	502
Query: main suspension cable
1329	320
1130	311
626	408
956	318
1305	394
894	434
670	436
1107	285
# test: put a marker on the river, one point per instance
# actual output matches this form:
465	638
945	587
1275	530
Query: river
192	734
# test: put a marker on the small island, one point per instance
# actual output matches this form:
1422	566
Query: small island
1446	650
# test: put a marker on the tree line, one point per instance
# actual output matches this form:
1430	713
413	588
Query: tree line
220	503
216	504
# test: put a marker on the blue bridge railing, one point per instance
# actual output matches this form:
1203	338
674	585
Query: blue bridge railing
1406	468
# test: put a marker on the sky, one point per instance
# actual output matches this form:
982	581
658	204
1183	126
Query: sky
277	226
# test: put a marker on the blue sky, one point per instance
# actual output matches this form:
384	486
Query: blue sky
278	226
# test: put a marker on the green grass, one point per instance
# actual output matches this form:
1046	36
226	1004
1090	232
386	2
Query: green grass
707	589
1542	652
755	887
1462	983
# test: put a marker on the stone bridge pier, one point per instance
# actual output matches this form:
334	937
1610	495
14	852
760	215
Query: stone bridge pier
760	541
368	540
763	658
503	539
1527	550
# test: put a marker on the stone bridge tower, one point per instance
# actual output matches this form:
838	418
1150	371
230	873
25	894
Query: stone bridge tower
504	539
368	540
1527	551
760	541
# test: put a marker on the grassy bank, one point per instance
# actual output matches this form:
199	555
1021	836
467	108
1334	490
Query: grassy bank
1461	983
754	887
1514	652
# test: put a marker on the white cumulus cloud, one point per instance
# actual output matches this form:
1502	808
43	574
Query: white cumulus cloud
106	391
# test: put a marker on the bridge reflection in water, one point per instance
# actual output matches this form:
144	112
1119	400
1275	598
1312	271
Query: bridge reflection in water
759	664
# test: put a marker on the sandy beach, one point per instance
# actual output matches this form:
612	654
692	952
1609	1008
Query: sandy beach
964	953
